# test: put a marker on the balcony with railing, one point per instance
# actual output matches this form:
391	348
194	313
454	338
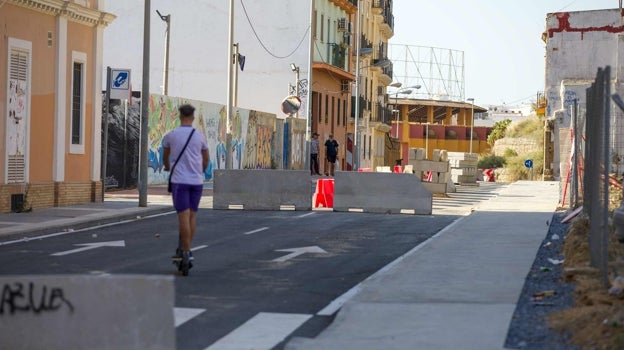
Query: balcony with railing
384	8
364	105
384	114
337	55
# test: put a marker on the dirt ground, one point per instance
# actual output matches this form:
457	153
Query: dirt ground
596	321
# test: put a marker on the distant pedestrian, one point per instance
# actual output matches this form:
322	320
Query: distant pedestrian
331	153
187	150
314	150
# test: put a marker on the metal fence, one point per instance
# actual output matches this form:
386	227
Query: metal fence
596	167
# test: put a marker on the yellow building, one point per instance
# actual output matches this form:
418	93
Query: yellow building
50	103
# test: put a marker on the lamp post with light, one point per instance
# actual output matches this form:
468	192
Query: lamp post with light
406	90
427	140
295	69
471	120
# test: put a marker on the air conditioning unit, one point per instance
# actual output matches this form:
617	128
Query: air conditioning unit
342	24
345	86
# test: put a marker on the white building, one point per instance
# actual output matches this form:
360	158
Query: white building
271	35
577	44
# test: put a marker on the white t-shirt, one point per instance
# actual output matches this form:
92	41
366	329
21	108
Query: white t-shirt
190	169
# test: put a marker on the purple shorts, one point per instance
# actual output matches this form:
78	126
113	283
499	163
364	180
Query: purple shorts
186	196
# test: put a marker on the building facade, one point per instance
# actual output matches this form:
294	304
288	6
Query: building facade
50	102
332	75
577	44
375	75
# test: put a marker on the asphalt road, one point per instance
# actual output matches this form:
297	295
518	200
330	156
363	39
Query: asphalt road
252	268
236	275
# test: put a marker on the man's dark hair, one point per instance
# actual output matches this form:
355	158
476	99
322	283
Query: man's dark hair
186	110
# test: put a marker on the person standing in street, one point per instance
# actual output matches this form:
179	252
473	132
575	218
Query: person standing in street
187	151
331	153
314	150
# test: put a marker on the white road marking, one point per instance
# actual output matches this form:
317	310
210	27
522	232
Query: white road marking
70	231
263	331
337	303
199	247
183	314
256	231
89	246
295	252
304	215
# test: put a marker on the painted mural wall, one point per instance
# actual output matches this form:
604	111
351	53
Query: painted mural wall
252	134
259	140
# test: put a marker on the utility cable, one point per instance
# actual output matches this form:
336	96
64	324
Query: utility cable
260	40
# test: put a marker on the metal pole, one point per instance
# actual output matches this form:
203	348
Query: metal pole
356	151
574	191
309	96
167	20
105	146
427	140
235	73
144	107
396	107
471	123
297	88
228	132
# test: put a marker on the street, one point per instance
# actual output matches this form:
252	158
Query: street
253	270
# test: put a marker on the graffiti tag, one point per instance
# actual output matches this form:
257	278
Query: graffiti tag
17	297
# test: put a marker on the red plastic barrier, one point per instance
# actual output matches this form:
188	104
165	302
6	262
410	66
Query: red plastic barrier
324	195
488	175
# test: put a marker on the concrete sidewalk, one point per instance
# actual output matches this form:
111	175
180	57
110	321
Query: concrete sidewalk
458	290
117	206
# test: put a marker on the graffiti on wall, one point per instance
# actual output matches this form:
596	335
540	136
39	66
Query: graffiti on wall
569	97
251	132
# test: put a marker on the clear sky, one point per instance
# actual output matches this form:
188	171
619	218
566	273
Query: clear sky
501	40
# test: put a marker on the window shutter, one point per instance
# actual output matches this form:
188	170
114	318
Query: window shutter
18	73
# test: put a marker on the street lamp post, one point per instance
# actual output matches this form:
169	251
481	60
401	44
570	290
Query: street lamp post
166	19
471	120
427	140
406	90
295	69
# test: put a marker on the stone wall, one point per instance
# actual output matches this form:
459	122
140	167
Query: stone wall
520	145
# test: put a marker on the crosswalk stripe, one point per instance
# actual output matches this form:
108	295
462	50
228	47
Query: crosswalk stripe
183	314
263	331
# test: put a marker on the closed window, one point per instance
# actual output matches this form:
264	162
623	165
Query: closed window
78	92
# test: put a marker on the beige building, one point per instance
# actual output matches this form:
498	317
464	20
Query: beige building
337	28
375	75
50	103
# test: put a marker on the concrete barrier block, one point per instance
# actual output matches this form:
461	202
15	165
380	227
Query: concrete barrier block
417	153
436	155
458	163
435	187
444	177
464	171
262	189
443	155
87	312
429	165
463	156
381	193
